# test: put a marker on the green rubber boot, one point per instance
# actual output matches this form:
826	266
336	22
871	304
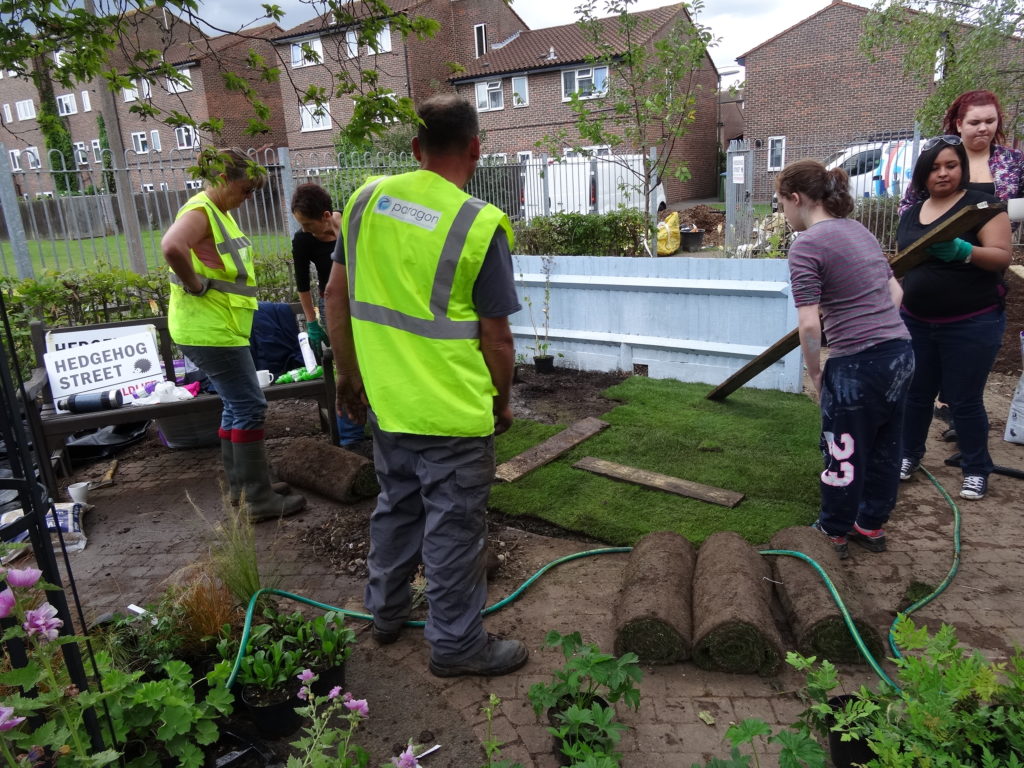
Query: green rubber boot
227	457
253	472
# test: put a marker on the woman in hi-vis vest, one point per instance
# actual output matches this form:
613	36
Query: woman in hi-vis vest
213	298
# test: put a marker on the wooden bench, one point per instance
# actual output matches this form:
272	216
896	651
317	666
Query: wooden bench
51	429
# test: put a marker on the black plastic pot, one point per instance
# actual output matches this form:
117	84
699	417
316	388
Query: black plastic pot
846	754
326	679
544	364
275	719
691	241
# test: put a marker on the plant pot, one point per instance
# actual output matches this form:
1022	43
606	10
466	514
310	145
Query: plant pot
567	701
846	754
544	364
558	747
273	716
691	241
328	678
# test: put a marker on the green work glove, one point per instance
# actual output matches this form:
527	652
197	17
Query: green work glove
951	250
317	337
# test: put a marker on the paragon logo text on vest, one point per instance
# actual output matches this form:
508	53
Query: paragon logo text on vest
409	212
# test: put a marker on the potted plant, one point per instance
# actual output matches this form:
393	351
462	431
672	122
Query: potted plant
542	361
579	698
323	642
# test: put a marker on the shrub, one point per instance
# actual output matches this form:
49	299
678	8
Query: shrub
881	216
619	233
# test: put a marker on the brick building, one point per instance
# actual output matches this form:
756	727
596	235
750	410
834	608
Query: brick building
522	84
407	67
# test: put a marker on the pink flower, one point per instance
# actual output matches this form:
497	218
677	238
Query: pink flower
8	720
7	601
334	693
42	620
406	760
359	706
303	693
306	675
23	577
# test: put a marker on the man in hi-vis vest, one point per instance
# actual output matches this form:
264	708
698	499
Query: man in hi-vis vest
418	319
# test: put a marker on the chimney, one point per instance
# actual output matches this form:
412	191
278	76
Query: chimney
551	53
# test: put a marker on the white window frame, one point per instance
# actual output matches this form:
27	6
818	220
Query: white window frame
186	137
299	57
154	141
58	57
174	86
480	39
351	43
26	109
15	155
524	157
130	94
163	186
32	158
97	151
310	122
521	98
584	73
383	41
140	142
81	152
86	102
485	93
193	183
594	150
8	114
772	142
66	105
148	187
145	88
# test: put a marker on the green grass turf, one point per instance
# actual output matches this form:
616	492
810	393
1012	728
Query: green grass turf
763	444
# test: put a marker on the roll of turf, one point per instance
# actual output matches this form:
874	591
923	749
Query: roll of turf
327	470
817	624
733	627
652	614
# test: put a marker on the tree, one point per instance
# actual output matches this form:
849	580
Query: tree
650	95
957	45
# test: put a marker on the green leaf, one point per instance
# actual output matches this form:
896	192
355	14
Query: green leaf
21	677
746	731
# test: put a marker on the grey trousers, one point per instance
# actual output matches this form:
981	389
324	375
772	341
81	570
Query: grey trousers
431	509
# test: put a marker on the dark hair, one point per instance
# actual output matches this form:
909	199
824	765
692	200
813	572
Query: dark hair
311	200
925	161
958	110
809	178
449	124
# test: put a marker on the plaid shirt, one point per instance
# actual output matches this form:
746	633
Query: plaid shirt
1007	166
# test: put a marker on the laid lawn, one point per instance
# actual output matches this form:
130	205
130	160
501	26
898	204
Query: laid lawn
763	444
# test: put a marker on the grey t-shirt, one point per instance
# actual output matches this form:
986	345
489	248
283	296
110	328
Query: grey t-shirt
838	264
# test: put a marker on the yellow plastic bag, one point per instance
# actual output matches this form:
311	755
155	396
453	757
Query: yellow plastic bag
668	235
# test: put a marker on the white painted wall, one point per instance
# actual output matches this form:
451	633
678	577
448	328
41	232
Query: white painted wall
691	319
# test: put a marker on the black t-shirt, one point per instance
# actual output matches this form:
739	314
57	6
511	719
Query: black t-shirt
306	251
939	289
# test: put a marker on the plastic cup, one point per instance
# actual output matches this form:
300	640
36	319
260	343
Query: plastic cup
1015	207
79	492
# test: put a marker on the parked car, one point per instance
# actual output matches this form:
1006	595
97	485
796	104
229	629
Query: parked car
597	184
876	168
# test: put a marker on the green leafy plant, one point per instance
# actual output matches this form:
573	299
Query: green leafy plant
588	733
492	746
798	748
324	744
617	233
323	641
540	334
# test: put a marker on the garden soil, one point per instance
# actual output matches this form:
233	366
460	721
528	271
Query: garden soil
159	517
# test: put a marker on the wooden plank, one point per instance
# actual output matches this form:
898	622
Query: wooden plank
965	220
550	449
659	482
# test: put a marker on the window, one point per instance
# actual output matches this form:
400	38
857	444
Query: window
589	82
776	153
164	186
480	38
154	140
140	142
32	156
15	159
489	96
524	157
597	150
307	53
66	105
129	94
193	184
311	121
97	151
147	188
180	86
145	88
520	91
86	103
8	115
383	42
81	153
140	88
185	136
351	43
58	57
26	109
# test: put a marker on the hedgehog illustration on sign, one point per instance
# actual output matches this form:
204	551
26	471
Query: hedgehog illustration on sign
142	365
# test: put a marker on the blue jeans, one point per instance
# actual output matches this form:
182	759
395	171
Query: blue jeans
955	359
233	374
862	402
349	433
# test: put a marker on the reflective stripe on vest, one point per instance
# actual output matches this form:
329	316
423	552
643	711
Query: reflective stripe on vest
441	326
228	245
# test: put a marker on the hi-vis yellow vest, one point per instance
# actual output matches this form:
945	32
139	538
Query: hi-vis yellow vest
414	246
221	317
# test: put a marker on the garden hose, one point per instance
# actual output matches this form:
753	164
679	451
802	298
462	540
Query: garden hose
247	627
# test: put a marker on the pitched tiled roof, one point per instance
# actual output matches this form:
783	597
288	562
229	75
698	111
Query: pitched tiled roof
326	21
532	48
196	48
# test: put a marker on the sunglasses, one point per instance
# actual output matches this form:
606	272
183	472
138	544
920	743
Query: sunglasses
950	139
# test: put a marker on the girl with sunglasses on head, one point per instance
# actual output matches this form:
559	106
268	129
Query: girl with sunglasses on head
953	305
977	118
841	279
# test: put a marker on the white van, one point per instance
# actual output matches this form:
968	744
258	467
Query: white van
598	184
876	168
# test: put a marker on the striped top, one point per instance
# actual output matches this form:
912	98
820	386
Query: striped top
838	264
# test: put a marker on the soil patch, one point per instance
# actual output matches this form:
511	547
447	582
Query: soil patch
710	220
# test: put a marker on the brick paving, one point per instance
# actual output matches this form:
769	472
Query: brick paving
148	524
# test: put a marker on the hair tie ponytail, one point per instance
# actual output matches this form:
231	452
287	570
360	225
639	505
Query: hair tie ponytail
830	183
